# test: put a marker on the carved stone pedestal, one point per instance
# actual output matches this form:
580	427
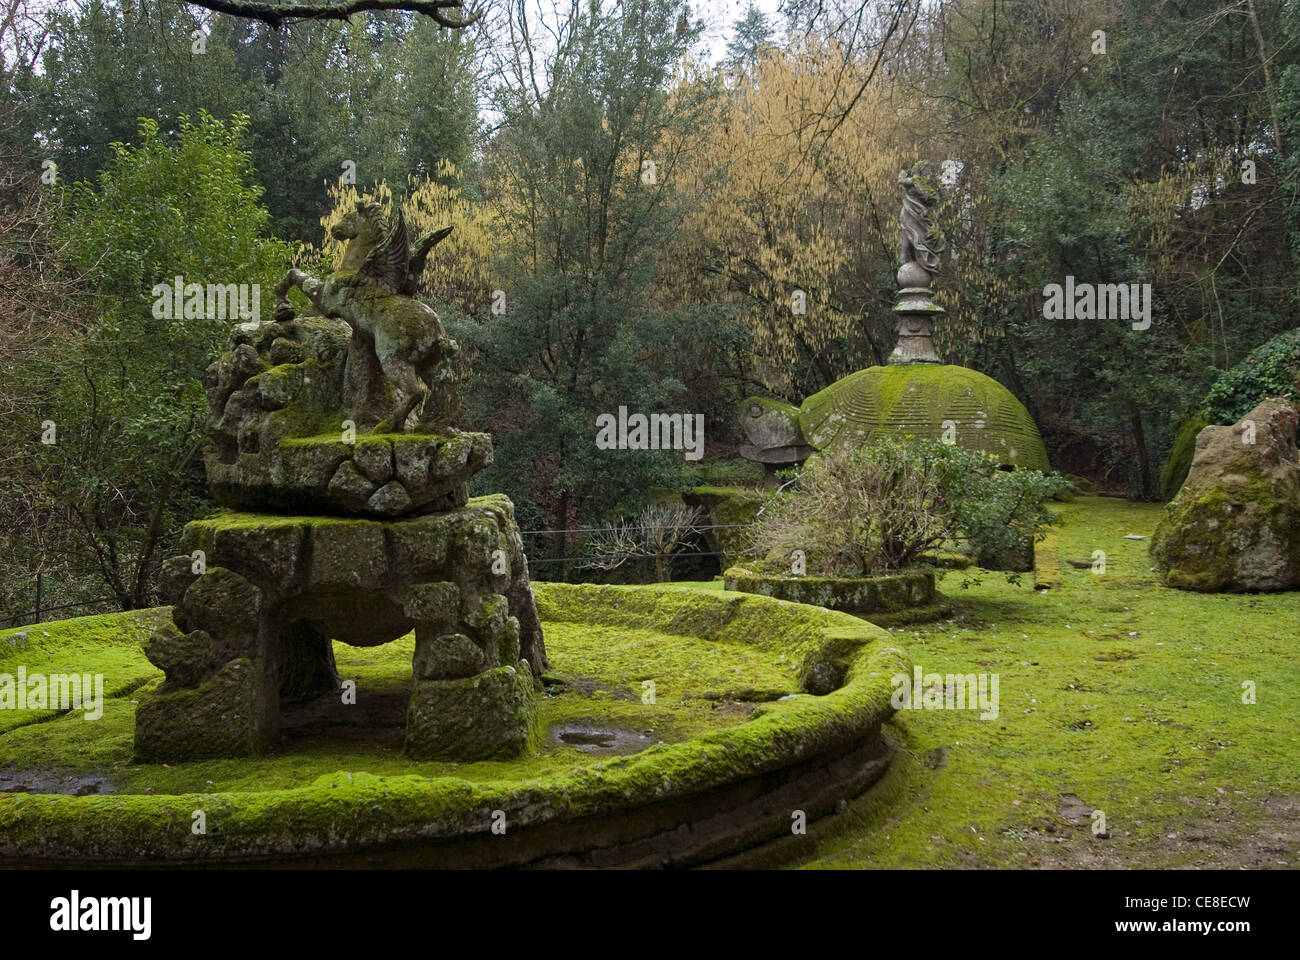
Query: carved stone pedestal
259	598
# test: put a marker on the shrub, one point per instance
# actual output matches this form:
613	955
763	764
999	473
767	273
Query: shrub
659	531
1270	370
863	511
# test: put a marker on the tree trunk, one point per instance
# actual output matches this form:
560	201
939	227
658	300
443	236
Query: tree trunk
1144	461
561	547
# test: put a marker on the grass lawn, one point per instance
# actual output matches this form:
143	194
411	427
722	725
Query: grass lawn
1115	695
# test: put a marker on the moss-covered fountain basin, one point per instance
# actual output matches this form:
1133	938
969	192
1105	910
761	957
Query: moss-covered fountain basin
908	596
678	727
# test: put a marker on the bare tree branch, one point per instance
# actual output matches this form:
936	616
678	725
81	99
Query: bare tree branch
275	12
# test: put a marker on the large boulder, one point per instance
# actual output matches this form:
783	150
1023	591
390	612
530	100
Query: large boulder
1235	524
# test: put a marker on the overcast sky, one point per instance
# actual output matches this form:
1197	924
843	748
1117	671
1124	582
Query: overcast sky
720	15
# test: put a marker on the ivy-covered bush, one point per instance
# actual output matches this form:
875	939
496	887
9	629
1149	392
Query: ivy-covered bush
1270	370
865	511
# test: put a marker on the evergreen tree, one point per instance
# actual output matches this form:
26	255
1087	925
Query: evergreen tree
750	34
582	182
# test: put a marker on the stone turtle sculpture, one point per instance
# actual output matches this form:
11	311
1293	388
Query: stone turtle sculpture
925	401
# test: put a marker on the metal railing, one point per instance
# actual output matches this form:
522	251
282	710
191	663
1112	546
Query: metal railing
41	610
641	559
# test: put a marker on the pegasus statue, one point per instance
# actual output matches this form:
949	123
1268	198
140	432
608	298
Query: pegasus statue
400	360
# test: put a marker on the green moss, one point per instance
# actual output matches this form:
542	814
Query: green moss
110	645
916	400
749	642
1047	561
775	405
1179	461
1160	741
731	510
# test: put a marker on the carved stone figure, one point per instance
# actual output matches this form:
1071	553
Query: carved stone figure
919	252
347	519
920	243
395	337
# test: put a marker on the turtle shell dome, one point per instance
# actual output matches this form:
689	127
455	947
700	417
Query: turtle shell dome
916	400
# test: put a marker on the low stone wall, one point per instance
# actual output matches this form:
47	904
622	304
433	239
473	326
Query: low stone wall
860	595
673	804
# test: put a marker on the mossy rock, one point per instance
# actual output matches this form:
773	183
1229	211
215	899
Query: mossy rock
922	400
1235	524
731	510
1179	461
1081	485
483	717
222	717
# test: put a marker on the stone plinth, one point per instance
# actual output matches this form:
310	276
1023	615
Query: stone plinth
290	433
916	313
857	595
258	599
385	475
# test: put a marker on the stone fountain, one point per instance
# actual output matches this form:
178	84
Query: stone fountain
347	518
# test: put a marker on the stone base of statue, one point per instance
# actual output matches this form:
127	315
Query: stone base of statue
282	441
916	315
259	598
385	475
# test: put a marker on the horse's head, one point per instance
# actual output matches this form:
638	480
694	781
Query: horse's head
364	228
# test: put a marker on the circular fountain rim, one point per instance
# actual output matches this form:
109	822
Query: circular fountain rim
671	804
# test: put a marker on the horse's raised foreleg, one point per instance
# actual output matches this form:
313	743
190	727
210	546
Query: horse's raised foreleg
308	284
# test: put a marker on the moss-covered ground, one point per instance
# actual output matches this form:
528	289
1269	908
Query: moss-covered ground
1116	695
597	683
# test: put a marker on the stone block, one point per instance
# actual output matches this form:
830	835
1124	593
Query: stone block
485	717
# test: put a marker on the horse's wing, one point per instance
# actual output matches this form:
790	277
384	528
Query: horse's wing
388	263
415	266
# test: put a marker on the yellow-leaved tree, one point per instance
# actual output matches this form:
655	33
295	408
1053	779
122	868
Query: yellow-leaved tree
797	221
457	269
